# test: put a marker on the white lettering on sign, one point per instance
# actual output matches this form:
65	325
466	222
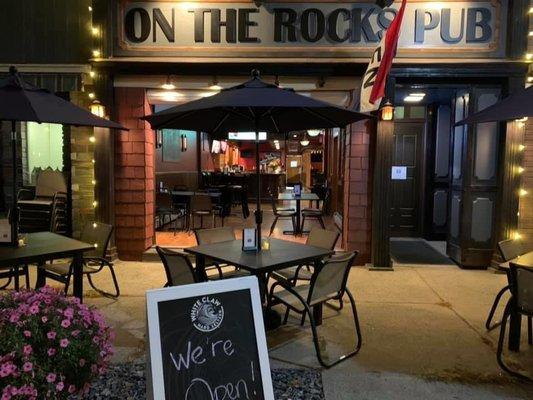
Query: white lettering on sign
174	28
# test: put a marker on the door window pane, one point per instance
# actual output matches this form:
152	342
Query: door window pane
44	148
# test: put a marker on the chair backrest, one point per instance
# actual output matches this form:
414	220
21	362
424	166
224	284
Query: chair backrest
329	280
49	182
521	285
322	238
510	248
178	267
215	235
201	202
99	235
163	200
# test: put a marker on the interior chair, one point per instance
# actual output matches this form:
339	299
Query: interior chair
281	213
40	207
178	268
14	274
316	213
94	261
217	235
328	283
165	207
520	303
509	249
201	206
321	238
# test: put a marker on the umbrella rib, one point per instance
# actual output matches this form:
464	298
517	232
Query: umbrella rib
174	119
316	114
275	124
224	118
237	113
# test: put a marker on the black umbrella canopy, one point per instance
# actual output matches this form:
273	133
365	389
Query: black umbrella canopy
251	106
516	106
20	101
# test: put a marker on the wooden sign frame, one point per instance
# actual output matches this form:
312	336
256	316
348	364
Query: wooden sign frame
155	362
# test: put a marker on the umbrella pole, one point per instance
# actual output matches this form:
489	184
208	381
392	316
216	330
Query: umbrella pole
14	210
258	213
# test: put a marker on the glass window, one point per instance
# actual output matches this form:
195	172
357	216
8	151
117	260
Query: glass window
44	148
399	112
418	112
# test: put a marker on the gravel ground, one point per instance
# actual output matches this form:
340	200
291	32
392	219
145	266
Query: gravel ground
127	381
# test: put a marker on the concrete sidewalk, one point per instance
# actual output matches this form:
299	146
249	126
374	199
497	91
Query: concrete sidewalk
423	334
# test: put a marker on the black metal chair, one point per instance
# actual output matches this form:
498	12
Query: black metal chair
178	268
94	261
509	249
165	207
317	237
201	206
281	213
520	304
316	213
14	274
328	283
218	235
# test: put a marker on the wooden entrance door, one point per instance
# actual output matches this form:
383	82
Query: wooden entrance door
408	154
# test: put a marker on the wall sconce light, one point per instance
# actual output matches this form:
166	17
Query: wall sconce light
97	109
168	85
215	85
305	141
159	139
314	132
387	111
183	142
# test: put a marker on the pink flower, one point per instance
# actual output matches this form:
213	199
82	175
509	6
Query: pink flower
27	350
27	367
82	362
34	308
51	352
69	313
71	388
75	333
63	343
51	377
44	319
51	335
27	334
65	323
60	386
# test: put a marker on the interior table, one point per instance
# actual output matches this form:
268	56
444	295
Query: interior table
282	254
292	197
515	320
45	246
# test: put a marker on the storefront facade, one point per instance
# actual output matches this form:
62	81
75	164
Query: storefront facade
321	49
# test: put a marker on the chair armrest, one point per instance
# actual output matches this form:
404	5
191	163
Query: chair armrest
98	259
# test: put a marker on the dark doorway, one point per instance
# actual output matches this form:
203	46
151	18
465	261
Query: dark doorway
406	177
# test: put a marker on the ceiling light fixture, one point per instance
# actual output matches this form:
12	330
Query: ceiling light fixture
168	85
414	97
314	132
215	85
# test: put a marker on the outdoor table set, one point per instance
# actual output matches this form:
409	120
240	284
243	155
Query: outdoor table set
289	196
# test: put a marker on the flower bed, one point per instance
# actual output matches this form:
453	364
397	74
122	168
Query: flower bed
51	346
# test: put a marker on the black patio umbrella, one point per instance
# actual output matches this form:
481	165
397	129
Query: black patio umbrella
23	102
516	106
254	106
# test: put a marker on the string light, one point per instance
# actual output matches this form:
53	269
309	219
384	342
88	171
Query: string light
95	203
521	170
93	181
517	236
96	53
90	9
529	56
95	31
91	95
92	74
92	139
521	147
93	161
522	192
94	225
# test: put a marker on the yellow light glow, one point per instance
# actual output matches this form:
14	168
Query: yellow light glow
95	31
520	170
92	74
530	10
530	33
521	147
90	8
92	139
91	95
529	56
524	119
94	225
96	53
93	181
168	86
215	87
93	161
518	214
522	192
95	203
517	236
95	245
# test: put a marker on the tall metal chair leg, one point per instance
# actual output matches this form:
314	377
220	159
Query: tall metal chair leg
273	226
321	222
115	283
9	279
27	276
16	277
286	318
303	223
493	309
315	335
501	340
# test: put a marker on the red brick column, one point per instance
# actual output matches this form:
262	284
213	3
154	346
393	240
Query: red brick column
357	221
134	176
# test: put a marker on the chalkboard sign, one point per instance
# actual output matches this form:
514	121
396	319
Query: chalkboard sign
207	341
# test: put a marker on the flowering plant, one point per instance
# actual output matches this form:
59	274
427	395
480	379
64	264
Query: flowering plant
51	346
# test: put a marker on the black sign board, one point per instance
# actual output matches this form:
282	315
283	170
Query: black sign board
207	341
